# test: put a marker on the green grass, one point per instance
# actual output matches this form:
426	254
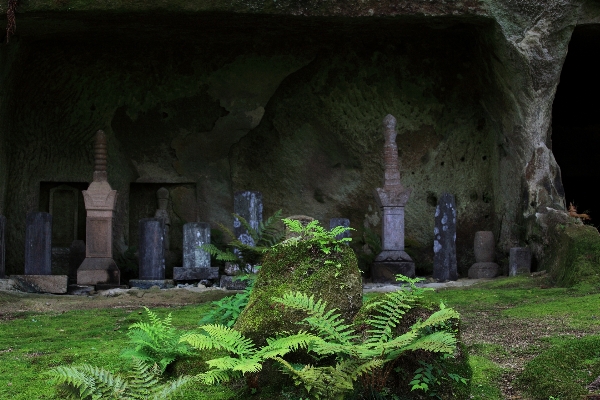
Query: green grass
486	374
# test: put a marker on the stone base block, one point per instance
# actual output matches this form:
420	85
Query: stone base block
80	290
385	272
195	274
7	284
94	271
148	283
483	270
229	283
519	261
56	284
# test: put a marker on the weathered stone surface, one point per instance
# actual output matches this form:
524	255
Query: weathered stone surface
38	242
80	290
484	246
194	274
94	271
151	249
148	283
2	246
302	268
444	241
195	234
519	261
385	272
41	283
248	205
483	270
230	283
231	269
60	260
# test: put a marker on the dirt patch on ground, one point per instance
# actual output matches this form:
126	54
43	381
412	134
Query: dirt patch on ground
13	304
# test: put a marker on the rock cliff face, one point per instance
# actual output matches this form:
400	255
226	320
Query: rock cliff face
287	98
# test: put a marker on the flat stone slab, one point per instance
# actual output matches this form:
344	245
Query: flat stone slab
148	283
385	272
195	274
56	284
386	287
484	270
7	284
229	283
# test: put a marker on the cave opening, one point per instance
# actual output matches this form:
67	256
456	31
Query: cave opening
575	122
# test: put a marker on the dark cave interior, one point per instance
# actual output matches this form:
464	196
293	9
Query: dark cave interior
575	124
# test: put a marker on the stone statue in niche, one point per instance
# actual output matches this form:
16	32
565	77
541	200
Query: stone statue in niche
391	199
162	213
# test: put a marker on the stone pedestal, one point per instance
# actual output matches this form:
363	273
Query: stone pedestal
484	248
38	241
345	222
151	249
249	206
196	262
520	261
391	199
2	246
444	241
230	283
99	266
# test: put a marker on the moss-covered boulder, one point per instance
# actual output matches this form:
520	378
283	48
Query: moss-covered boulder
304	267
574	255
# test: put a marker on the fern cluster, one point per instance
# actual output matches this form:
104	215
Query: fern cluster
87	382
226	311
263	237
329	336
155	342
326	239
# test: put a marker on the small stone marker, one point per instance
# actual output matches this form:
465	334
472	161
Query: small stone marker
2	246
248	205
151	249
520	261
391	198
484	248
99	266
345	222
196	262
444	241
38	244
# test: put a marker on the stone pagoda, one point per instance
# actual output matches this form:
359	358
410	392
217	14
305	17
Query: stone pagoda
99	268
391	199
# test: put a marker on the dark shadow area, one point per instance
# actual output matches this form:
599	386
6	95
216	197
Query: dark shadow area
576	123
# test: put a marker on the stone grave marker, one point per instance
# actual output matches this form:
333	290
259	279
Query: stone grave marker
345	222
391	199
151	255
444	241
248	205
484	247
519	261
196	262
38	244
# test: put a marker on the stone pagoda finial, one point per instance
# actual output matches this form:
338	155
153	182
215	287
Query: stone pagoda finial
100	157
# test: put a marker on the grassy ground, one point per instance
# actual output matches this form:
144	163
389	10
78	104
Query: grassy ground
525	340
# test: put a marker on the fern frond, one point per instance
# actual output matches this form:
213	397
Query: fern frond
437	342
330	326
282	345
215	376
249	228
88	381
221	255
166	390
442	315
391	309
220	337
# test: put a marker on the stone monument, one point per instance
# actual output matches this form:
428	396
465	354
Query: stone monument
2	246
345	222
444	241
484	248
99	266
162	213
391	199
248	205
38	276
196	262
151	255
519	261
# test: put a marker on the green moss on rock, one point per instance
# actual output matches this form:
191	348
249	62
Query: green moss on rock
305	268
575	255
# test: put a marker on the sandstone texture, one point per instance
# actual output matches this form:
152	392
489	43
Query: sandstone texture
286	98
